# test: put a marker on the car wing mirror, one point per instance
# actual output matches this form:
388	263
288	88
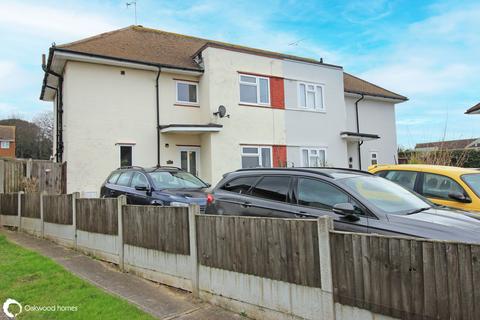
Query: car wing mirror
347	210
142	187
460	197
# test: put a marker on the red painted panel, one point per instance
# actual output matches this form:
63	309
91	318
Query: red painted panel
277	93
279	156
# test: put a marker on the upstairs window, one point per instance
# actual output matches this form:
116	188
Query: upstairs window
314	157
187	92
5	145
254	90
310	96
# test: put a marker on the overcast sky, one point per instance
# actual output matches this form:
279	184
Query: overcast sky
426	50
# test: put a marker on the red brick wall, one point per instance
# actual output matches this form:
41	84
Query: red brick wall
277	93
279	156
10	152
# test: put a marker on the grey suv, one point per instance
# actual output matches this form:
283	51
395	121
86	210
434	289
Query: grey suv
356	200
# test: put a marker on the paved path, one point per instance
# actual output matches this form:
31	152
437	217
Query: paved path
160	301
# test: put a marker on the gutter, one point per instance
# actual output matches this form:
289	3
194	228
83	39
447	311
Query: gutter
59	106
158	115
358	131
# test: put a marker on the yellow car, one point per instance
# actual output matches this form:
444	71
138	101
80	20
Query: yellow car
449	186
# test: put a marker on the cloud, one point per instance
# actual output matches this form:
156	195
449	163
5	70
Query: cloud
43	20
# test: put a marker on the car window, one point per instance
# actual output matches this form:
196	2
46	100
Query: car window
124	179
175	180
318	194
139	179
437	186
240	185
272	188
113	177
473	181
403	178
381	173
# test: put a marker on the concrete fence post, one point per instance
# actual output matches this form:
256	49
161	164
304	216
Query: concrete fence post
42	214
193	212
29	166
121	201
19	210
325	225
75	196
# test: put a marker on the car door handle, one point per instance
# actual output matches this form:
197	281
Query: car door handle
246	204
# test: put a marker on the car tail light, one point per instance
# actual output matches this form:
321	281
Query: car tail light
210	198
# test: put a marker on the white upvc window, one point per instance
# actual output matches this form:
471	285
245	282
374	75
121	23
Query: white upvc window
256	156
5	145
373	157
311	96
314	157
186	92
254	89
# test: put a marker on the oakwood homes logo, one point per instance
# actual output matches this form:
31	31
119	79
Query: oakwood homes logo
6	308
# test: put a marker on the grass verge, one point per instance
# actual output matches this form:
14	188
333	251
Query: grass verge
35	280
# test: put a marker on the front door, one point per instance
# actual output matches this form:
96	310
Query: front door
190	160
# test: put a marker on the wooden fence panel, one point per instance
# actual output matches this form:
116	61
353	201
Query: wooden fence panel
31	205
9	204
97	215
159	228
406	278
48	175
279	249
14	172
58	209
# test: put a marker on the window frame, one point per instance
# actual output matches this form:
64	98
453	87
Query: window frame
372	158
139	172
323	109
120	145
258	154
257	85
2	143
309	149
177	101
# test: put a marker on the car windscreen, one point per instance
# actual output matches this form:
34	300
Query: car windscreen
473	181
385	195
175	180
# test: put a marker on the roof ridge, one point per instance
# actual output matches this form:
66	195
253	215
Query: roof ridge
377	86
101	35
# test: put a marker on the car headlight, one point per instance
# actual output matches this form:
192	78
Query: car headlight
178	204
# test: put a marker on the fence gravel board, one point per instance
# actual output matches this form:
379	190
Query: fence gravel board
97	215
9	204
158	228
279	249
58	209
31	205
406	278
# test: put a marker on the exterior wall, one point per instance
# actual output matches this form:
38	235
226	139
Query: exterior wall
103	108
375	117
247	125
10	152
315	128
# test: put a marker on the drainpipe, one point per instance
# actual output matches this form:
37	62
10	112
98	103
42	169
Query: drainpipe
56	118
358	131
59	92
158	115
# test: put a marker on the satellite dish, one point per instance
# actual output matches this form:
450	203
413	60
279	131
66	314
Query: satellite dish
222	111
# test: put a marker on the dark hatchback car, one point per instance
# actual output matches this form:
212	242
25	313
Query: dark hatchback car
357	201
168	186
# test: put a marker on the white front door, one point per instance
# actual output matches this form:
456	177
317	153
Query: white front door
190	160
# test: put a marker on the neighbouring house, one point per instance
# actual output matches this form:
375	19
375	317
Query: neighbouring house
7	141
474	110
139	96
461	144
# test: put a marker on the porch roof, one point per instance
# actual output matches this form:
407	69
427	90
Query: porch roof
191	128
358	136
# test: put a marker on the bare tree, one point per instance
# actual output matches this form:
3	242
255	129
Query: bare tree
44	121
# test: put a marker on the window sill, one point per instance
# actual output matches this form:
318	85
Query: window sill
178	104
255	105
307	110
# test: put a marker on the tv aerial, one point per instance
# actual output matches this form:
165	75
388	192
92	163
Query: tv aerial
134	4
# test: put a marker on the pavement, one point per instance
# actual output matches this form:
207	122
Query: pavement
160	301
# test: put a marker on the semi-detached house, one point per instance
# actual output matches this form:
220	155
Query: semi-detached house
138	96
